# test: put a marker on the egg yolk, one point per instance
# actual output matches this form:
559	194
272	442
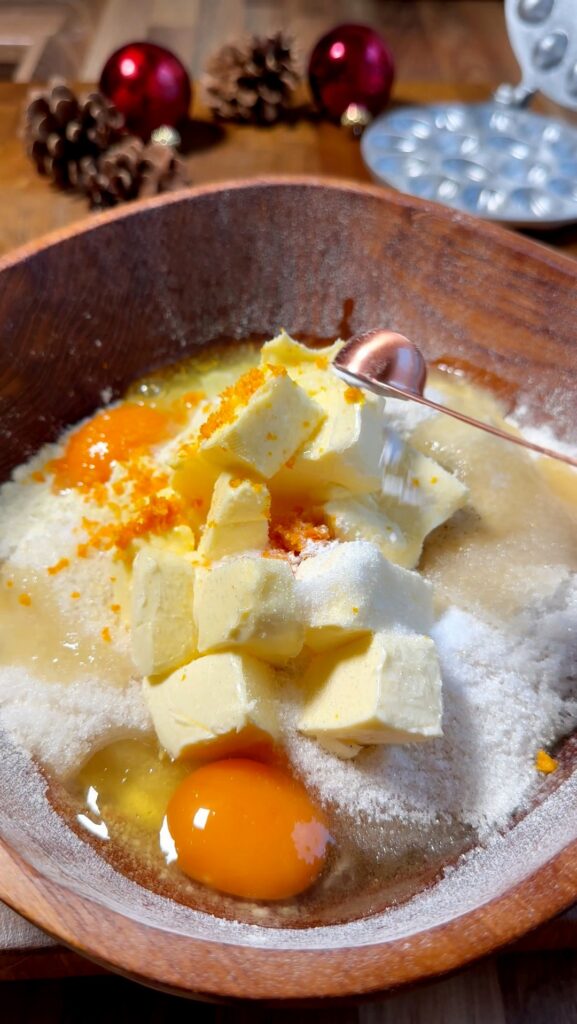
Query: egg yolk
248	829
108	437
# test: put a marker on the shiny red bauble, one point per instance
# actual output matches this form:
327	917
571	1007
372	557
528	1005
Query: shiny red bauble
149	85
351	64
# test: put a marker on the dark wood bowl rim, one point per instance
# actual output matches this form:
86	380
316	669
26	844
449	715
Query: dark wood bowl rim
214	970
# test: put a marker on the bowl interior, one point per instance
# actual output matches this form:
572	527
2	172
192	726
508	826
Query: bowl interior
89	312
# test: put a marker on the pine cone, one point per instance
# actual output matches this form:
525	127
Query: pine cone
130	170
161	170
61	130
253	80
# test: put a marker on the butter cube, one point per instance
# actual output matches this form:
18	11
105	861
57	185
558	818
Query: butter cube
250	603
307	366
163	633
385	688
345	450
219	541
218	705
237	518
239	500
194	477
350	589
362	518
428	497
178	540
262	433
417	498
340	749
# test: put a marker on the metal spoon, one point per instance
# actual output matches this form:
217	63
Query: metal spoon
388	364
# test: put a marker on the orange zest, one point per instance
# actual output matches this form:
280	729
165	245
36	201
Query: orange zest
545	763
150	511
293	531
58	566
238	396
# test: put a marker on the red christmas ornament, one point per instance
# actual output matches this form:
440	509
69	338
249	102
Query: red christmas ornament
351	67
149	85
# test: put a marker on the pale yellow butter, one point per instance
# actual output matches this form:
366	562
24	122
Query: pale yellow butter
216	706
267	431
194	477
163	633
416	498
347	447
360	518
350	589
239	500
179	540
220	541
345	450
237	519
385	688
421	495
250	603
339	748
307	366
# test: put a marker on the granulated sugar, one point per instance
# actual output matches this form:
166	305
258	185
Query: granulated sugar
61	724
59	719
506	694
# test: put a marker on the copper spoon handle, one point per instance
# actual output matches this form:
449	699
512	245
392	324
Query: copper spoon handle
363	381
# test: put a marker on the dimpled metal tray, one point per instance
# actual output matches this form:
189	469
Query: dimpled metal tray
543	34
489	159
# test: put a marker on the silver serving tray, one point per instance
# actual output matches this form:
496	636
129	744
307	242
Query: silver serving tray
495	159
501	163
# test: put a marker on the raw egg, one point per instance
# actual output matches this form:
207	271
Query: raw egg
248	829
108	437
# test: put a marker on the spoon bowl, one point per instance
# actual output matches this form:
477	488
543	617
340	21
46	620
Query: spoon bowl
385	357
387	363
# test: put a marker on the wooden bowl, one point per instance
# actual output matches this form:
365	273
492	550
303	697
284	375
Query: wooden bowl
98	305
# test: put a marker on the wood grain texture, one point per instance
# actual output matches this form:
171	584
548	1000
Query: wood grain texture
150	244
428	37
140	287
30	207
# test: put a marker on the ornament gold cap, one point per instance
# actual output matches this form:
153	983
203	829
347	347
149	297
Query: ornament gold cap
356	117
166	135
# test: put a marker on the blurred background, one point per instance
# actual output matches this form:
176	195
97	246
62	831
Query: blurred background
432	40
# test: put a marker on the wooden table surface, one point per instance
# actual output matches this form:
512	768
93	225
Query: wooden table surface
515	987
29	207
